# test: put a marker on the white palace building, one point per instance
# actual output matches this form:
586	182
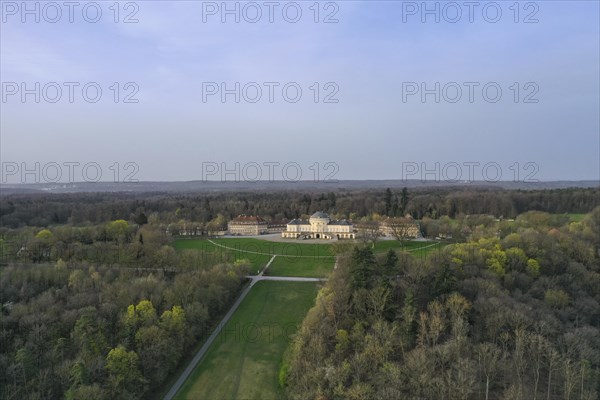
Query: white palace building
319	226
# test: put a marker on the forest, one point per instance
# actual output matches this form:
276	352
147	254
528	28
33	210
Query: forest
97	332
509	314
45	209
97	304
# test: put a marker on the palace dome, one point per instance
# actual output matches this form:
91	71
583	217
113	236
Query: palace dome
319	214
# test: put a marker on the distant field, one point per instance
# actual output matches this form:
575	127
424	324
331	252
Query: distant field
249	245
417	249
257	261
297	259
407	245
576	217
303	267
244	361
294	258
291	248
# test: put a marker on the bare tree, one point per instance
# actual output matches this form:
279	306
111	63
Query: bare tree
520	362
401	228
570	377
536	346
488	355
370	232
552	358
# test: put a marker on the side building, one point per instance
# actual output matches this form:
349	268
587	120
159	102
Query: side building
401	228
245	225
319	226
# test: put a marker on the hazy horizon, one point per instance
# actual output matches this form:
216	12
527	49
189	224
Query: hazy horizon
365	119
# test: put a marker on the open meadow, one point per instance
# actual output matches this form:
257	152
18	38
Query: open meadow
244	360
294	258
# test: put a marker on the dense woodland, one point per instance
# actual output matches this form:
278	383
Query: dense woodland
79	332
97	304
44	210
510	314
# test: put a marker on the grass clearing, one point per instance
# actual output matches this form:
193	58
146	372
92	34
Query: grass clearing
419	249
294	258
382	246
576	217
291	248
302	267
244	361
220	254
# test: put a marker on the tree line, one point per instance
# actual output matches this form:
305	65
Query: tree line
43	210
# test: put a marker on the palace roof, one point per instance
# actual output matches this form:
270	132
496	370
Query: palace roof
340	222
319	214
298	222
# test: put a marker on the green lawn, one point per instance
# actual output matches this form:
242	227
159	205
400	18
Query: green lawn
291	248
407	245
304	267
249	245
295	258
576	217
305	257
244	361
257	261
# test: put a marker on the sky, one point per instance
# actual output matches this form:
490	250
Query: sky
306	90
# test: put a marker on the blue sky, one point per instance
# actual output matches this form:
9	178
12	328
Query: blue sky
369	56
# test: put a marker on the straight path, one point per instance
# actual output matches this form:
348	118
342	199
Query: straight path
253	279
267	266
200	354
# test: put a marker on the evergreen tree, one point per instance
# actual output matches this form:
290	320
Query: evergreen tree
388	201
362	267
403	201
